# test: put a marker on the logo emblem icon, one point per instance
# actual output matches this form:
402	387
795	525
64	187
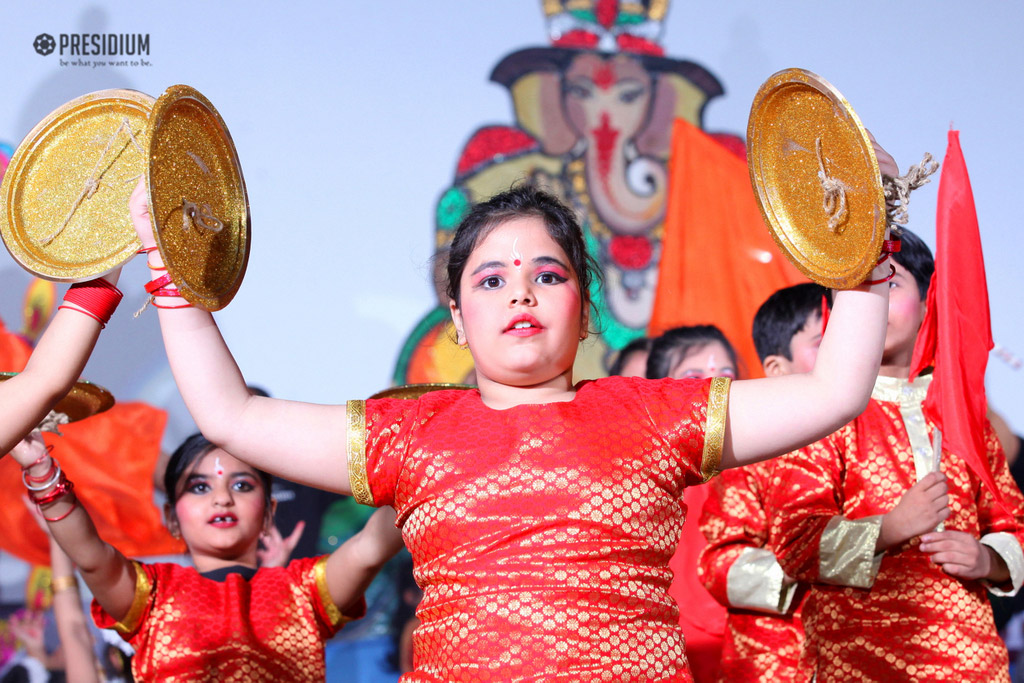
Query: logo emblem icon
44	44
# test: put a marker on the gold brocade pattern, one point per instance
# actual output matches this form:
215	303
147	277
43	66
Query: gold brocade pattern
541	534
847	556
271	627
714	432
757	582
916	622
739	568
356	411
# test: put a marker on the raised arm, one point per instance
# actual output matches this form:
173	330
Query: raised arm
255	429
108	573
351	567
769	417
54	367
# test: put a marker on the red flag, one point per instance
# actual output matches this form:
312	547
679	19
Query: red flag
719	262
956	334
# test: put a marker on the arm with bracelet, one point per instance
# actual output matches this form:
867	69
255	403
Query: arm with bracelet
108	573
58	358
255	429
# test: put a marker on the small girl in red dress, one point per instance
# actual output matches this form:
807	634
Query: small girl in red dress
540	513
225	619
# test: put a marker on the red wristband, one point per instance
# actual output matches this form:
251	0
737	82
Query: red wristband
96	298
63	488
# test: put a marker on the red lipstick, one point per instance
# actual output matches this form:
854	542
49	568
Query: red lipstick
524	325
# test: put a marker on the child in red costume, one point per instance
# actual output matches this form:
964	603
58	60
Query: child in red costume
224	620
540	514
860	514
695	352
763	635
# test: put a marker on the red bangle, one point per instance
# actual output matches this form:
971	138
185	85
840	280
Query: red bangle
147	250
88	313
62	488
96	298
45	455
29	479
171	308
74	505
153	285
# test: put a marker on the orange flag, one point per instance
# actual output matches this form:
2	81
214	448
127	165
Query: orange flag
956	334
718	262
110	459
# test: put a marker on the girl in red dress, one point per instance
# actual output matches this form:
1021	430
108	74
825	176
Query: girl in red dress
541	514
224	619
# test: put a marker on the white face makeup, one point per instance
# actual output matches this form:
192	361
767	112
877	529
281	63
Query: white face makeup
517	258
712	365
218	469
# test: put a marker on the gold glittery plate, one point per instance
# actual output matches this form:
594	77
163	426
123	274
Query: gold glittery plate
84	400
197	197
417	390
65	194
804	139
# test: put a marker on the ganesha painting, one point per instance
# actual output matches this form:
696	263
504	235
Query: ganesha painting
593	122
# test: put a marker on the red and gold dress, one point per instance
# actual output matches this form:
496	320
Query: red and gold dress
541	534
271	627
894	616
763	634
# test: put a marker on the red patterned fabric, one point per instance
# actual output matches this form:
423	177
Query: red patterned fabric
758	646
703	620
269	628
541	534
915	622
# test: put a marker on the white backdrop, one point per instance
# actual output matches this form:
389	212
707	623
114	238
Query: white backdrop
349	117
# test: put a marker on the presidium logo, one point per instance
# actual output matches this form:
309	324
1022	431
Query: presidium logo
103	49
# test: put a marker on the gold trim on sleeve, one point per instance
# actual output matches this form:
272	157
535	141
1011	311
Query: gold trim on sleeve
1007	547
357	478
756	581
320	574
846	552
143	589
714	427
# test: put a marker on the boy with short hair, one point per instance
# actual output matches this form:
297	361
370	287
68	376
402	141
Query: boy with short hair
763	634
856	514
